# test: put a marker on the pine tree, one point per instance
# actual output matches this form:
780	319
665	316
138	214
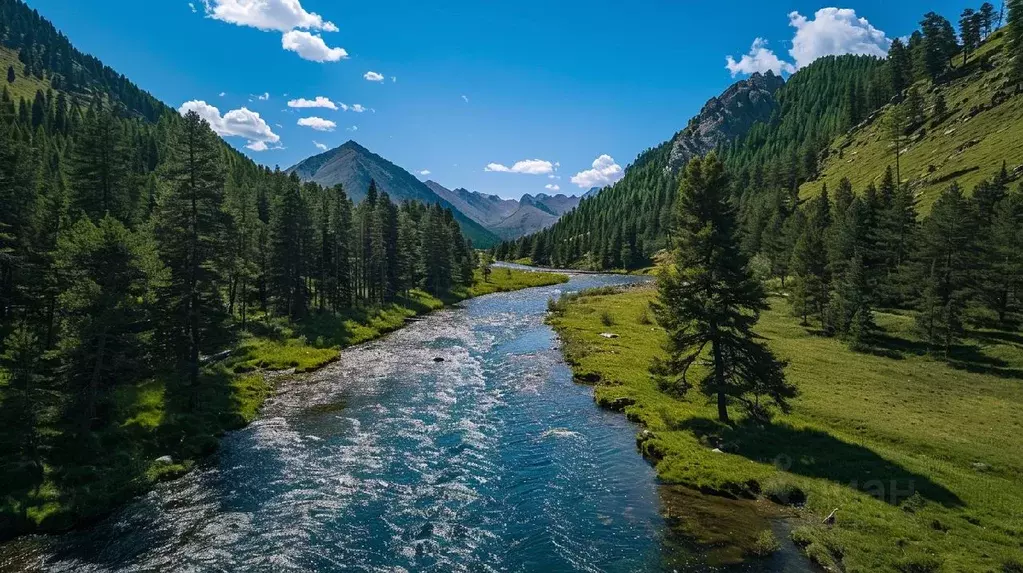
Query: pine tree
99	174
24	403
1014	39
190	229
947	258
11	75
987	19
900	67
1002	278
106	320
291	240
708	300
810	263
914	108
938	46
970	23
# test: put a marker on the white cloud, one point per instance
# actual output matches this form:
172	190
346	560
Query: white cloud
264	97
552	187
192	6
373	77
604	172
465	98
834	31
235	123
222	94
759	59
424	172
311	47
357	108
352	128
526	166
831	32
553	176
317	123
394	79
320	146
320	101
279	15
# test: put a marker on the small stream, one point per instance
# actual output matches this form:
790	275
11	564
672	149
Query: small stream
492	460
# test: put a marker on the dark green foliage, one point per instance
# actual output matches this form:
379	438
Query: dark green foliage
937	46
11	76
970	31
945	268
106	311
1014	33
709	302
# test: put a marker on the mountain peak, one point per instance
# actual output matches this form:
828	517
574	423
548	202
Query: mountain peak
726	116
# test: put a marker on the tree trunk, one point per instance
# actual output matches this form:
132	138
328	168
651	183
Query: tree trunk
719	379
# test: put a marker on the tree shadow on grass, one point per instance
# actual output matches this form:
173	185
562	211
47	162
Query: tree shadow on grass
817	454
967	357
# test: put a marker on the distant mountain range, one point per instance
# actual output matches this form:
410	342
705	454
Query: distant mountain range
353	166
485	219
508	218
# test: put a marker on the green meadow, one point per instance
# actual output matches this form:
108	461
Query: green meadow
921	460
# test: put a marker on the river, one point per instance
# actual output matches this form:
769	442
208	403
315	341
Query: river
391	460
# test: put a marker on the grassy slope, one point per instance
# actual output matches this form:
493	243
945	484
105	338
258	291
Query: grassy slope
152	424
862	423
960	148
22	88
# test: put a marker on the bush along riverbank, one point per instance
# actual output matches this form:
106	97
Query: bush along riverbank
891	459
158	435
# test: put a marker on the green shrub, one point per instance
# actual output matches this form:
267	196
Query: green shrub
606	319
764	545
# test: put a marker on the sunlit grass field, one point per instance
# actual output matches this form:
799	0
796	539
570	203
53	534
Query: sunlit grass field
922	459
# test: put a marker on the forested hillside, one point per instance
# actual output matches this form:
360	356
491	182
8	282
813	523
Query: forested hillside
625	225
135	248
962	128
949	103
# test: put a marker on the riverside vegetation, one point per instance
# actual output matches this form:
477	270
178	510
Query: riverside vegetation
148	272
882	398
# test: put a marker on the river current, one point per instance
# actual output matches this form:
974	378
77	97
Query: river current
392	460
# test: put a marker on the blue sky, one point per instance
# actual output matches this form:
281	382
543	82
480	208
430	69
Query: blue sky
543	92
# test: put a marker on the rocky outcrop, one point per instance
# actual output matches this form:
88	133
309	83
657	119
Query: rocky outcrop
726	117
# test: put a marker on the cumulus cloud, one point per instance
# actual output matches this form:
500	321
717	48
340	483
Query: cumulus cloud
311	47
235	123
604	172
373	77
834	31
279	15
526	166
831	32
320	146
759	59
317	123
424	172
552	187
320	101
